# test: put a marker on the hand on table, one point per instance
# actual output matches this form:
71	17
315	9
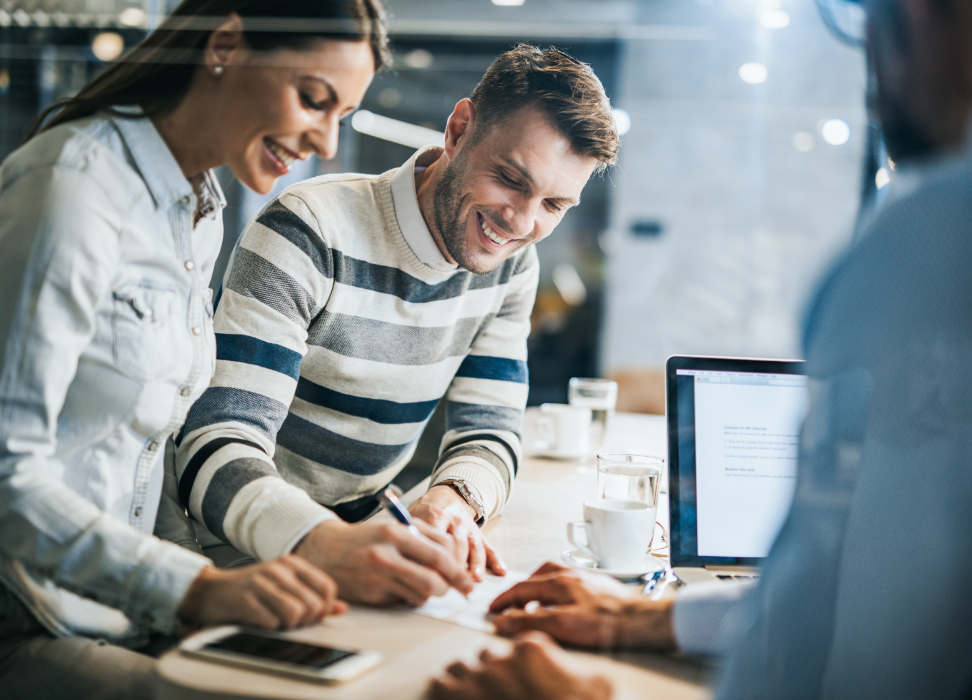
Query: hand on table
584	609
445	509
384	563
536	669
278	594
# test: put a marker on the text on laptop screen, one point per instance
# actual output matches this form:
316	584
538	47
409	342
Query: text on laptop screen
747	429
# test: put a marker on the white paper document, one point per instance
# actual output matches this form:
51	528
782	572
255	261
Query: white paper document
474	612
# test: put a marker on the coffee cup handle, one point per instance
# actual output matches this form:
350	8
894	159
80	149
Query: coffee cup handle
584	546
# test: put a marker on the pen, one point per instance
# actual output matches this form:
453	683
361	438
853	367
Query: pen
652	581
390	501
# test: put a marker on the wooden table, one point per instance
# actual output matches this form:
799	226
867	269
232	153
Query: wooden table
531	530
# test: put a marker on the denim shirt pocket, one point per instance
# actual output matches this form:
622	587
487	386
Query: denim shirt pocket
144	329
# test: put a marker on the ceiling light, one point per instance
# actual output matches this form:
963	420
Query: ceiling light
107	46
803	141
395	131
775	19
836	132
132	17
752	73
419	58
622	120
508	3
881	178
389	98
568	282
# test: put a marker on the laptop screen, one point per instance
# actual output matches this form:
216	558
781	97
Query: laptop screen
733	436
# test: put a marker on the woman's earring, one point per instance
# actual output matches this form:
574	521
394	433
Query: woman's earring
218	70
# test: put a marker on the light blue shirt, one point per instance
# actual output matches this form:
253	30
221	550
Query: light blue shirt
105	341
865	593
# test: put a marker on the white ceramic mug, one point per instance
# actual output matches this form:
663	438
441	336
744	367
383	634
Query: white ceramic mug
616	533
563	431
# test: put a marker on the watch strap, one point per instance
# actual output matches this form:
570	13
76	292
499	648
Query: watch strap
468	495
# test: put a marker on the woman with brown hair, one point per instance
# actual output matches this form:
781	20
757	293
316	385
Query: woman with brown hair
110	222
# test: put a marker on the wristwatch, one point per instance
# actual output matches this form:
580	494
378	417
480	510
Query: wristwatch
468	495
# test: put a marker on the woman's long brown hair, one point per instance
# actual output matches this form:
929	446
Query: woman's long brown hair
156	73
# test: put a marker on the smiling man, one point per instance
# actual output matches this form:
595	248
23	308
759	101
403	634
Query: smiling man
354	304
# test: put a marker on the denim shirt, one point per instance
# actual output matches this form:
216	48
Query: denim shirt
105	341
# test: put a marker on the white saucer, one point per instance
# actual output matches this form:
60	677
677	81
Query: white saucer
581	560
560	456
541	449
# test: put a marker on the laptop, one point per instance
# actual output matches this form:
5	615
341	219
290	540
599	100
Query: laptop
733	433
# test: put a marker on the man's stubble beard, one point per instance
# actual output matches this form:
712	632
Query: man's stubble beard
447	211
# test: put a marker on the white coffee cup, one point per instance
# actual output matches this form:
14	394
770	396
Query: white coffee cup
560	430
616	533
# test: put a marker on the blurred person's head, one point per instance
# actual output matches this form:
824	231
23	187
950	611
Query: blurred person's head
921	55
518	152
273	76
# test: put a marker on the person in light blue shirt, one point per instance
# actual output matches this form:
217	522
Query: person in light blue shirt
110	224
865	593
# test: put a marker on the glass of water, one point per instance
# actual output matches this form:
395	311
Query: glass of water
599	395
629	477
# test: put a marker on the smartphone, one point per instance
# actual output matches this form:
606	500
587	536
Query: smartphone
269	651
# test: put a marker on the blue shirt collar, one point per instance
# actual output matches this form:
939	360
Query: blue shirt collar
159	168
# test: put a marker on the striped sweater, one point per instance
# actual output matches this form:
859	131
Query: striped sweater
339	328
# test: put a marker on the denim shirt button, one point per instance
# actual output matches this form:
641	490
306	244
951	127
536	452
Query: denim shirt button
196	330
185	391
190	265
184	200
138	511
153	446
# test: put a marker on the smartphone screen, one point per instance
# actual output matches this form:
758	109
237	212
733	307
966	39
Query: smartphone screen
298	653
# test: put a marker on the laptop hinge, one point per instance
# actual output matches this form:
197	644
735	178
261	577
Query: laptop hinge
714	568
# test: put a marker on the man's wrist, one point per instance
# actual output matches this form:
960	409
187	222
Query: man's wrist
467	494
308	546
647	624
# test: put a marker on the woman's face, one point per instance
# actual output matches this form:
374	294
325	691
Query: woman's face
280	106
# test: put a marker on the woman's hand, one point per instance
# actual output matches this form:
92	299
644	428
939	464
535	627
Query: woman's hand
536	669
278	594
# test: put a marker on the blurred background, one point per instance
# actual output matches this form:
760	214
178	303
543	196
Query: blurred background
746	155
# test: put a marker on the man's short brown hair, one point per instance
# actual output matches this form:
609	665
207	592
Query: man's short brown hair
563	88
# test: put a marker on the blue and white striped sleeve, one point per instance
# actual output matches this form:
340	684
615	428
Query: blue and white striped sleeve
486	399
279	277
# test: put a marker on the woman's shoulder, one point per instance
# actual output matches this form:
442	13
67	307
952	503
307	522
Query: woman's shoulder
91	145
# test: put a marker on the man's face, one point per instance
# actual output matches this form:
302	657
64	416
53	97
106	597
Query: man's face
507	190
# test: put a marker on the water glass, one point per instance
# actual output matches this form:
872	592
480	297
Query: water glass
599	395
629	477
